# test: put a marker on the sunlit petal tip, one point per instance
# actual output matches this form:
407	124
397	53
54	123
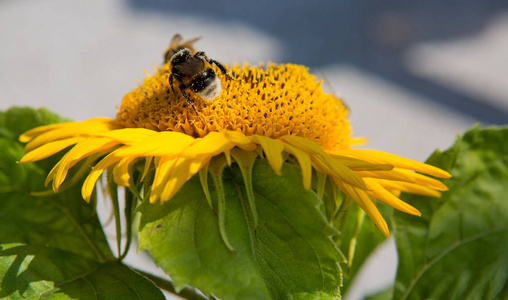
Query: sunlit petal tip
359	140
56	186
153	199
383	195
433	184
48	180
443	174
24	138
434	194
86	191
89	184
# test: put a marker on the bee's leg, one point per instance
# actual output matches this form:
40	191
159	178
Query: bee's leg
171	83
189	101
221	67
201	54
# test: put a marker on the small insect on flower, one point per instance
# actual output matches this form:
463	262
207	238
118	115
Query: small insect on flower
194	71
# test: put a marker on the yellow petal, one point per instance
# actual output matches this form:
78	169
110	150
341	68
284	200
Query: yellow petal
121	171
162	173
397	161
173	171
409	188
325	163
240	140
48	149
227	153
127	136
385	196
273	151
424	180
388	175
148	163
360	165
182	171
78	152
98	169
30	134
73	129
337	170
363	200
212	144
164	143
304	161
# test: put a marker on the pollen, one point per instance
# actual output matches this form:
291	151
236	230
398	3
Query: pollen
272	100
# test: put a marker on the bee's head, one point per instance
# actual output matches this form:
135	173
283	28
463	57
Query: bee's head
181	56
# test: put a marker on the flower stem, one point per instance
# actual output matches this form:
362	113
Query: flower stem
186	293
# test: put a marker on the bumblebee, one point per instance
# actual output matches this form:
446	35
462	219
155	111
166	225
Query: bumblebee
176	45
195	72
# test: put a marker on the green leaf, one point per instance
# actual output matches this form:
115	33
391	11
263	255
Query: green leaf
458	249
52	246
49	273
359	235
62	220
17	120
289	255
14	122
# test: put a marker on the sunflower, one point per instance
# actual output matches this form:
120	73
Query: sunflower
275	112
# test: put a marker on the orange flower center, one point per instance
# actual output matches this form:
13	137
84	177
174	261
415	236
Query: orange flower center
274	101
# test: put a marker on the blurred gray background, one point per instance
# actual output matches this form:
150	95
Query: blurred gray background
414	73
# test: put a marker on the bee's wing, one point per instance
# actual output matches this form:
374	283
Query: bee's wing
192	41
175	41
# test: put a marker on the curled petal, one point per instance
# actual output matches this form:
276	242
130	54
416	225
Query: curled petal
304	161
121	171
81	150
98	169
162	175
273	151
